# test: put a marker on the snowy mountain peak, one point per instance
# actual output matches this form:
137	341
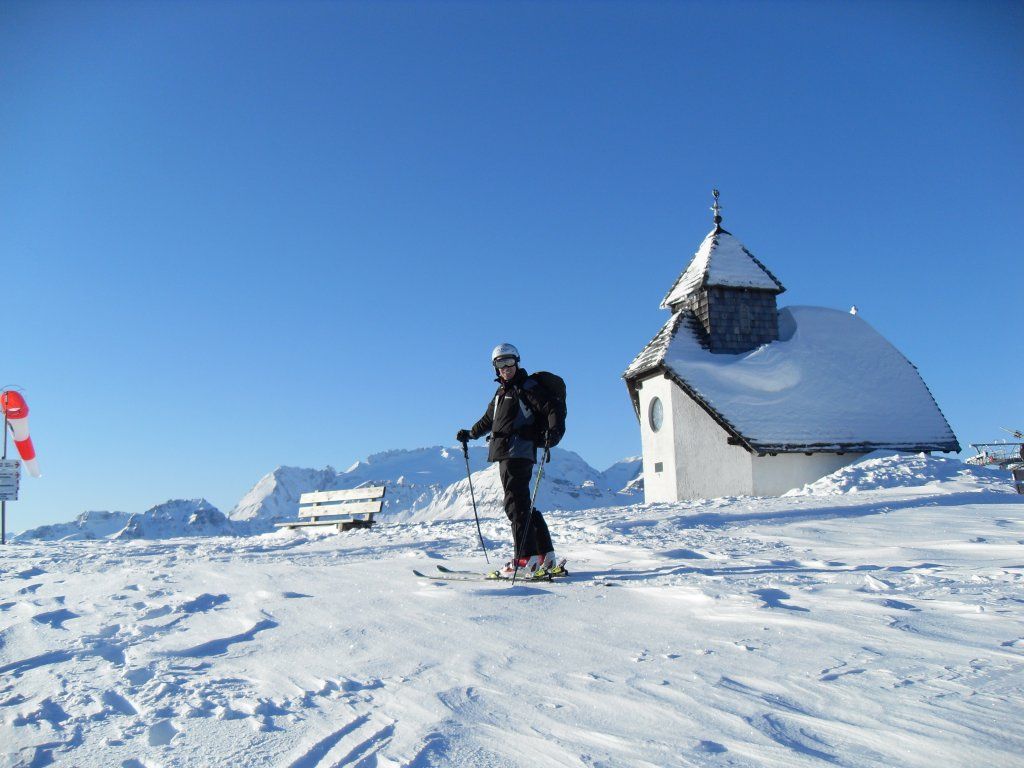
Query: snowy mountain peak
88	525
177	517
276	495
428	483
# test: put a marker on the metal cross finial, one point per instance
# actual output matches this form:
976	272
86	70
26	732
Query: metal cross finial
717	209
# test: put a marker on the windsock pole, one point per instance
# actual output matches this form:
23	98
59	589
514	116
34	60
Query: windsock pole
16	420
3	504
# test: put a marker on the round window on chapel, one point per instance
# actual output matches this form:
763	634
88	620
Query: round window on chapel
656	414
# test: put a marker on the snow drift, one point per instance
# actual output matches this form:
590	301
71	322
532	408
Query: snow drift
885	469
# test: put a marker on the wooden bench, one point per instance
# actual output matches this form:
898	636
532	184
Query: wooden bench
352	508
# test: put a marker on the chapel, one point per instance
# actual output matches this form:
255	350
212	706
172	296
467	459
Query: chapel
736	396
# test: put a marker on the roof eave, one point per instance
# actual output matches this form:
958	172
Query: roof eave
635	379
734	434
782	288
862	447
752	288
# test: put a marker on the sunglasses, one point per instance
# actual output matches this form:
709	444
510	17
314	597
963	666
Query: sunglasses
505	362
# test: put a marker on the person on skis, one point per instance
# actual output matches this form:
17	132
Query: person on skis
520	417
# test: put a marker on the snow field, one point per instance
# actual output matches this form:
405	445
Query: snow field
876	628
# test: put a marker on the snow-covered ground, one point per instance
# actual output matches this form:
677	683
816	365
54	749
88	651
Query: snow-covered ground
872	619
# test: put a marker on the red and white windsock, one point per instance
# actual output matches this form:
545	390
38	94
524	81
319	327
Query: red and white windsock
16	409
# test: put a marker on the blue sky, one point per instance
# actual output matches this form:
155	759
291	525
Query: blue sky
238	235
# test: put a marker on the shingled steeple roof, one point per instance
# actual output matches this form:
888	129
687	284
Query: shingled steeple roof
721	260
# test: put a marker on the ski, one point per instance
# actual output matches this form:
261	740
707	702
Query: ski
445	569
447	576
475	576
560	574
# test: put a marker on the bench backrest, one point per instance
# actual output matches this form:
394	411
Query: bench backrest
352	501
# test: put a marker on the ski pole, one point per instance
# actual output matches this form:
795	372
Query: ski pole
472	496
529	520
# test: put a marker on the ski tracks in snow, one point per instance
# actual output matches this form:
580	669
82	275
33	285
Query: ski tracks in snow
741	632
103	674
143	672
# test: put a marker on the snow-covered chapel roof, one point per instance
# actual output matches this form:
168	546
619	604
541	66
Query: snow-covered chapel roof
721	260
830	383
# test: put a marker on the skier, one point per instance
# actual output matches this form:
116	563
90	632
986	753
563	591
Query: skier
519	417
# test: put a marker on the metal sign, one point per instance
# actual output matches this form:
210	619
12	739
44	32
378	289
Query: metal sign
10	475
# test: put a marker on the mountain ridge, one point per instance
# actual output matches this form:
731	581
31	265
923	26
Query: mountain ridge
422	484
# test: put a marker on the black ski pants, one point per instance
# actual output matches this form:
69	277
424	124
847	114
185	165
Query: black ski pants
515	479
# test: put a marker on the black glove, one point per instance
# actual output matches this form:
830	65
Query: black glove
463	436
547	454
549	439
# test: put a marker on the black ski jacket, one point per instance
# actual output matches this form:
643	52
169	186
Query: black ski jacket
517	418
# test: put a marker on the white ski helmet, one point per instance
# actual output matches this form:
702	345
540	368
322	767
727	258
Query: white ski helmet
504	350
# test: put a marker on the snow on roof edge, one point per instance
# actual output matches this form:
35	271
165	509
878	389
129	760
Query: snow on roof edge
657	362
699	269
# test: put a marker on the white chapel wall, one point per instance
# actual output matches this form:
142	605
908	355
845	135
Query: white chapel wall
658	447
695	458
697	462
707	466
774	475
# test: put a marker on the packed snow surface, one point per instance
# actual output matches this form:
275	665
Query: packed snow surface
871	619
830	379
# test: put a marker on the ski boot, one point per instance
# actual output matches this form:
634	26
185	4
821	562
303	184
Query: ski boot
524	568
552	567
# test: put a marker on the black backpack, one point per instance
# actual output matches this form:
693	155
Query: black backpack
554	387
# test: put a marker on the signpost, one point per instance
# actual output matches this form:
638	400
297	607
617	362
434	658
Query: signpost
10	474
